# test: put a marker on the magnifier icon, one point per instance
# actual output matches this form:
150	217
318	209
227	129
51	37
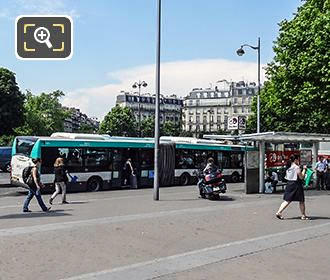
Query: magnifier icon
41	35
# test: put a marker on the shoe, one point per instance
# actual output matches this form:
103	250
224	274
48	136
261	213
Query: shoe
51	201
305	218
279	216
65	202
47	210
27	211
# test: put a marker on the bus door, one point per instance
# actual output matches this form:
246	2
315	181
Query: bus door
146	167
117	163
116	167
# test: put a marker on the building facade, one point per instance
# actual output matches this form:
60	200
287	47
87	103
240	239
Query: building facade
77	120
170	106
207	110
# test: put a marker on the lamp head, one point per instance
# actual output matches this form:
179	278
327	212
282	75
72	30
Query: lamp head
134	86
144	84
240	51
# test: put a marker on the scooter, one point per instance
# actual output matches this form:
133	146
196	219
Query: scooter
211	185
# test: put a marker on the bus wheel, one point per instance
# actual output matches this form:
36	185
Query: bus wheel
184	179
94	184
234	177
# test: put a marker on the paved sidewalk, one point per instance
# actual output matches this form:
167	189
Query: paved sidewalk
126	235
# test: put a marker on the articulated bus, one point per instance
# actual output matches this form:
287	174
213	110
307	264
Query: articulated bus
96	162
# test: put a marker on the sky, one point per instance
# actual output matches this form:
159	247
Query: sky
115	46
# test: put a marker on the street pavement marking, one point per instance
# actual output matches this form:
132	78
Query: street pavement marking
127	218
206	256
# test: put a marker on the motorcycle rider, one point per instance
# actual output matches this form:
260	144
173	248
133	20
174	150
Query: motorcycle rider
210	167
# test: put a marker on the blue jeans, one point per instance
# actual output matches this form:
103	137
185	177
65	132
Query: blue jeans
30	195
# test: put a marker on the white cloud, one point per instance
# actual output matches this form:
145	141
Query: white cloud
177	77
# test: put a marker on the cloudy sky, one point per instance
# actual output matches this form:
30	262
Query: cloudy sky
114	46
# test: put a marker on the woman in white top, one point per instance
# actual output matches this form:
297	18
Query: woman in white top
294	189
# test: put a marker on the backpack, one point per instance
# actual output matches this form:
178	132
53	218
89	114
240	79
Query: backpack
27	175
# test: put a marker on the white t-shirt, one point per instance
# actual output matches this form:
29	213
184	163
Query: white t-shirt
274	176
292	172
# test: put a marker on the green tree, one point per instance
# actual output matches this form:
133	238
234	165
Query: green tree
148	127
86	128
11	103
184	133
296	95
120	121
170	128
43	114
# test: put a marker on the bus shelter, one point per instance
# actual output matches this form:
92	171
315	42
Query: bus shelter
274	138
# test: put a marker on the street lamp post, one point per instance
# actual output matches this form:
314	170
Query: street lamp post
135	85
240	52
157	106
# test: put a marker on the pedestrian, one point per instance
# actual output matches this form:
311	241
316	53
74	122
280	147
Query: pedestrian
272	178
294	189
34	187
128	171
321	169
60	181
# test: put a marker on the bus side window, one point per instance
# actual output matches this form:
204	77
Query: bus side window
75	160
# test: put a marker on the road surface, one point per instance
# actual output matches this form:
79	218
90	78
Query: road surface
126	235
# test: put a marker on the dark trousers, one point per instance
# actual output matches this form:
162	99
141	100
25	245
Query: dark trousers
31	194
320	176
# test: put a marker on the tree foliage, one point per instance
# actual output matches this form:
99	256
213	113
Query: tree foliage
170	128
296	95
86	128
11	102
43	114
148	127
120	121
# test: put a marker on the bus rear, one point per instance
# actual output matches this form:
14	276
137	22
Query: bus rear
21	158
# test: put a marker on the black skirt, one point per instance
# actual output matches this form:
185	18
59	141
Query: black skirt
294	191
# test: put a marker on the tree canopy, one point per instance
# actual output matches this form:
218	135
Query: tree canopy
43	114
120	121
296	96
11	102
148	127
169	128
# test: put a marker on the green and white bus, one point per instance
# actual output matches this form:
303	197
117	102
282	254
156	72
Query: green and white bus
96	162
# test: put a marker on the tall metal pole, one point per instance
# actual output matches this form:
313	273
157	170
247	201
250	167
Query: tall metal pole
156	163
258	96
139	109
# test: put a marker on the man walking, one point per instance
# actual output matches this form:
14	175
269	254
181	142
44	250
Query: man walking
320	168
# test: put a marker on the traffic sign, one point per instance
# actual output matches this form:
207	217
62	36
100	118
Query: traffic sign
233	123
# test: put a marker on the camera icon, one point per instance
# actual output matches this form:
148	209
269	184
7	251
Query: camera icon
40	37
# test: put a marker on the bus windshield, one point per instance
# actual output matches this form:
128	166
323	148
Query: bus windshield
24	145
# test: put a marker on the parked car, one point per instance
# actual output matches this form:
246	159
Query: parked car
5	158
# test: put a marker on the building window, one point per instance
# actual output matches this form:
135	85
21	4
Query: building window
212	118
197	119
235	109
218	119
204	119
